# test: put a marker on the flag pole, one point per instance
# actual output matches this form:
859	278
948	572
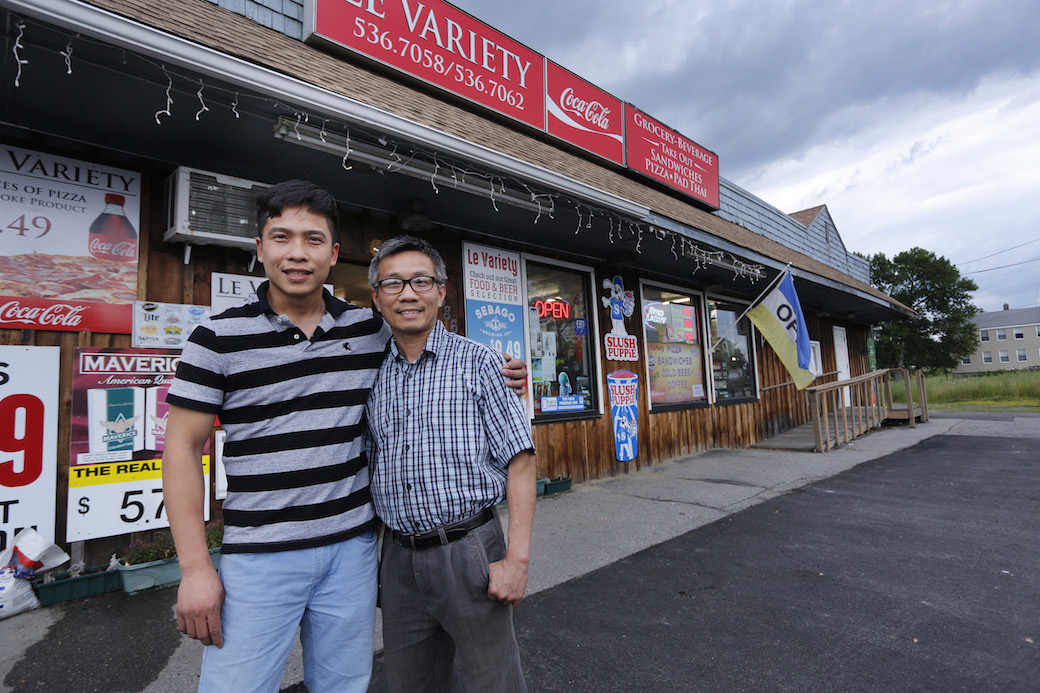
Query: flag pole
779	278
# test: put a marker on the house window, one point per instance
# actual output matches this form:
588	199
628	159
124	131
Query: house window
1022	355
987	357
1020	333
984	335
1038	330
1001	335
1004	356
674	348
563	371
732	361
966	361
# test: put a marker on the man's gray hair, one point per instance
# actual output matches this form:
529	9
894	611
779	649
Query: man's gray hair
403	244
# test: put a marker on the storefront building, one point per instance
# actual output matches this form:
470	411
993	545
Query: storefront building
581	234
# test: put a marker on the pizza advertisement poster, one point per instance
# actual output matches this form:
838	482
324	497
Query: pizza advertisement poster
68	243
119	415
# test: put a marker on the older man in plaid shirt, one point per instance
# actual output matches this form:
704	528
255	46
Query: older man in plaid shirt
447	442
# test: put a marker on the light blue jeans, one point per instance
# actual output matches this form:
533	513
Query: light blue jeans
328	591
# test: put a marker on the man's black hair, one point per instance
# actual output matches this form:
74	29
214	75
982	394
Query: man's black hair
297	193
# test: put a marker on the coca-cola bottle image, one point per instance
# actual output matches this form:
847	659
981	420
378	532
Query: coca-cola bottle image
112	236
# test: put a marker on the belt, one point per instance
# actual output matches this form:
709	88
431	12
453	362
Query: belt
445	534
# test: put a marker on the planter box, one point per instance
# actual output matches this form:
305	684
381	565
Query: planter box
558	485
71	588
540	486
143	577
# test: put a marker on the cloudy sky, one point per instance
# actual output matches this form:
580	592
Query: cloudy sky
917	122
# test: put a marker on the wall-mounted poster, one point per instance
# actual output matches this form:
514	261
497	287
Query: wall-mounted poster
68	243
119	414
494	298
28	439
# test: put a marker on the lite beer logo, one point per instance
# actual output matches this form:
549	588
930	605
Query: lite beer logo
620	345
55	315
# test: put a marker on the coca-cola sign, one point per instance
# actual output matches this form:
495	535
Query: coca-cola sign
123	250
583	114
68	316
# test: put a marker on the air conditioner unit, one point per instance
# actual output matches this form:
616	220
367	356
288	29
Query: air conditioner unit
205	208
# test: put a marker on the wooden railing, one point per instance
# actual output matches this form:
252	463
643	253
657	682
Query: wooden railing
846	409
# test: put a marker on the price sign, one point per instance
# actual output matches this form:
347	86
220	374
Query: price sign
28	439
113	498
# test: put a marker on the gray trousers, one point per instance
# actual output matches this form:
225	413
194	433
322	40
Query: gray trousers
441	633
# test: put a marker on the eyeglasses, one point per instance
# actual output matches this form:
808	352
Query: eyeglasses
395	286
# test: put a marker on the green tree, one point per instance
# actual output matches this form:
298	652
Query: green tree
942	332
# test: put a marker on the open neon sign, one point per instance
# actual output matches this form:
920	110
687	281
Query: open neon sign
553	308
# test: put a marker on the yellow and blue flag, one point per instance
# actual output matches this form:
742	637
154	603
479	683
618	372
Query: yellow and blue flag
778	316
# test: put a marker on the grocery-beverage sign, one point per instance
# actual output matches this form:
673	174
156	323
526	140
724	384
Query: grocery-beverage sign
28	439
663	154
119	415
441	45
68	243
584	114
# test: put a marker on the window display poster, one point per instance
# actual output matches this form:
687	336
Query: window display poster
119	415
69	241
494	300
234	290
28	439
165	325
624	412
676	373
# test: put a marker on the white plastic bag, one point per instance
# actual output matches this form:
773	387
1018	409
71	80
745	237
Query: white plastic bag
30	552
16	594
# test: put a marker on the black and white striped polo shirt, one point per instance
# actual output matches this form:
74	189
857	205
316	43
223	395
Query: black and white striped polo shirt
292	408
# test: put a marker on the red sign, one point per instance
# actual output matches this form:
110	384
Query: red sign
583	114
553	308
666	156
442	45
27	313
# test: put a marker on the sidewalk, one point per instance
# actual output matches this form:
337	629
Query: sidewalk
592	526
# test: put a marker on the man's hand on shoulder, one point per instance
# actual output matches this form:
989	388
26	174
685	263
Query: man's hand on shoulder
199	600
508	581
515	372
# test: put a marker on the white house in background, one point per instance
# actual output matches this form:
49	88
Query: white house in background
1008	340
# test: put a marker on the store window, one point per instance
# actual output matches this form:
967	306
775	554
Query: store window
674	348
732	361
563	374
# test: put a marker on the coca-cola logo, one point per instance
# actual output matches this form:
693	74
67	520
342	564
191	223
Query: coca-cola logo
592	112
127	249
57	314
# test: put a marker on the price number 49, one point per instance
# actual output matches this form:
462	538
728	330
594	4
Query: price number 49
21	431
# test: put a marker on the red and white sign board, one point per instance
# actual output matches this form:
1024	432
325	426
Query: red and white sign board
663	154
68	243
28	439
584	114
438	44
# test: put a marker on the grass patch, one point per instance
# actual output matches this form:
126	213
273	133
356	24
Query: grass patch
1003	391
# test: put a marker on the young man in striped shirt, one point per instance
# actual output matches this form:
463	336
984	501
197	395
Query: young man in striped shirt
288	375
447	441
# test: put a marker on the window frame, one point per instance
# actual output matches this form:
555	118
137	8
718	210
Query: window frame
1002	334
987	357
1019	332
594	337
1021	355
1004	356
966	360
983	336
708	298
701	304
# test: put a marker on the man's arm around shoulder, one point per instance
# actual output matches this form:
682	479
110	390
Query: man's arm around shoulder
508	581
201	593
